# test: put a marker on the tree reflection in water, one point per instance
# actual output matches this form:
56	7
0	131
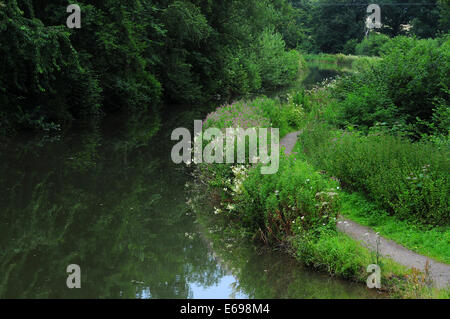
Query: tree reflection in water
107	199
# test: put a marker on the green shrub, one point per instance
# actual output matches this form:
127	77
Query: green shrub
366	105
297	196
349	46
285	117
410	180
42	83
404	86
416	73
372	46
242	74
364	63
277	66
333	253
337	254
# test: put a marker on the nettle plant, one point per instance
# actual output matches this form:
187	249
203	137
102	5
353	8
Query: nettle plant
295	201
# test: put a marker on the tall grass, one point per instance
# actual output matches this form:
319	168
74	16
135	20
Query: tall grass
408	179
331	61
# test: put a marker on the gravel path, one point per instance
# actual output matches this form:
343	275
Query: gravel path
439	272
288	142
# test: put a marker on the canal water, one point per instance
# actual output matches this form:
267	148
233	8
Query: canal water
110	200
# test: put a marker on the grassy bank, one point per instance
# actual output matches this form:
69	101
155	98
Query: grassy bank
340	62
393	185
409	180
296	208
262	272
331	59
429	241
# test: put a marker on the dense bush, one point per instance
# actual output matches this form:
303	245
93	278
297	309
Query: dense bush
372	45
408	85
297	196
271	206
277	67
410	180
368	104
53	75
350	46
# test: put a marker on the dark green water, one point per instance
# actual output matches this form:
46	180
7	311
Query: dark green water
110	200
314	75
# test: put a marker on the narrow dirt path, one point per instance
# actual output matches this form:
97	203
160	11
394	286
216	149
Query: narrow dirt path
288	142
439	272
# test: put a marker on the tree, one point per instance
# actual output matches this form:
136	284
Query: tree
131	56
